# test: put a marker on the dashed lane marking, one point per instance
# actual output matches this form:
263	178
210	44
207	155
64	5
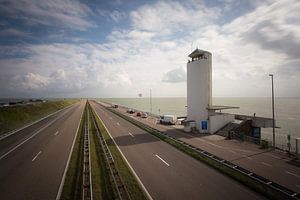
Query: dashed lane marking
130	134
293	174
266	164
162	160
35	157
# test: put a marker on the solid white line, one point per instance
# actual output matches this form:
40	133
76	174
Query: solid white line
293	174
162	160
35	157
128	164
68	162
21	143
56	133
15	131
232	151
131	134
266	164
118	124
277	157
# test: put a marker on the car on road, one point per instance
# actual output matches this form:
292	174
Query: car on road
114	106
168	119
144	115
130	110
138	114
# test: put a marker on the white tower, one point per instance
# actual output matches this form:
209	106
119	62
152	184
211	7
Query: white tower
199	87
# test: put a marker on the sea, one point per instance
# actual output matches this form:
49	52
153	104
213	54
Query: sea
287	112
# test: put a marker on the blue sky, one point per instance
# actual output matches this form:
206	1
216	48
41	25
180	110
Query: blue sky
120	48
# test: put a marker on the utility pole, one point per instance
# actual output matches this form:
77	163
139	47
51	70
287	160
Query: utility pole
150	101
273	115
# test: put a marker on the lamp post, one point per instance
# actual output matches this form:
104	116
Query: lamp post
273	115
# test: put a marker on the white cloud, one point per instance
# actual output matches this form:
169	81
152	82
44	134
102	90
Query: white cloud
175	76
71	14
143	56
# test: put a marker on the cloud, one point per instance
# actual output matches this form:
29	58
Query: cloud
30	81
175	76
14	32
160	36
63	13
114	15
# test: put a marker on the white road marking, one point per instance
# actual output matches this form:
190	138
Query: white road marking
245	156
162	160
266	164
35	157
232	151
118	124
130	134
56	133
293	174
277	157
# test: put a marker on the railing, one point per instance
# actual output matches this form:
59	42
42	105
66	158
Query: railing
87	193
119	189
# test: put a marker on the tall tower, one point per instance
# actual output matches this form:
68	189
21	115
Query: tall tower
199	86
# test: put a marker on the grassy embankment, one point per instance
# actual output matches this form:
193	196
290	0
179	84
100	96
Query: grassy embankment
72	188
15	117
132	186
238	176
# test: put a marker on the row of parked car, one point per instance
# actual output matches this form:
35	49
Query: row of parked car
138	114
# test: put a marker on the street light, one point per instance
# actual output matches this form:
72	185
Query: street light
273	116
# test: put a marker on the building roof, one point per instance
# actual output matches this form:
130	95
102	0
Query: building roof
222	107
197	52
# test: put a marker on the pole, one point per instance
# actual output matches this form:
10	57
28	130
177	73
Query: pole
273	115
150	101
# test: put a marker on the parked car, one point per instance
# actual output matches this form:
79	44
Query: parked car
114	106
168	119
144	115
138	114
131	111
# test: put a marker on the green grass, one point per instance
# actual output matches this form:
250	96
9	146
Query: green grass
133	188
72	188
15	117
102	188
238	176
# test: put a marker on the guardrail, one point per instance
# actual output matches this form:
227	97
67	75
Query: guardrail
119	189
87	193
257	178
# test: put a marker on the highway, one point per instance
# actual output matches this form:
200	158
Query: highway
33	160
166	172
274	165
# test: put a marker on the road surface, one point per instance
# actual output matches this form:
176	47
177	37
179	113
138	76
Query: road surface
33	160
166	172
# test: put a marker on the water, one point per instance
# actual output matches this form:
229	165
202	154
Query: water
287	112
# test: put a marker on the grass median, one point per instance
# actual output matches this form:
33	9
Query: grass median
102	188
133	188
14	117
240	177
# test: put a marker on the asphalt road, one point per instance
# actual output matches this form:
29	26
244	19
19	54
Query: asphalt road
274	165
33	160
166	172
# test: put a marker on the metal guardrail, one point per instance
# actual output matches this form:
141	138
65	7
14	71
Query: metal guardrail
277	187
120	190
87	193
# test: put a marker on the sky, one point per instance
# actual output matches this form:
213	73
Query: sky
121	48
